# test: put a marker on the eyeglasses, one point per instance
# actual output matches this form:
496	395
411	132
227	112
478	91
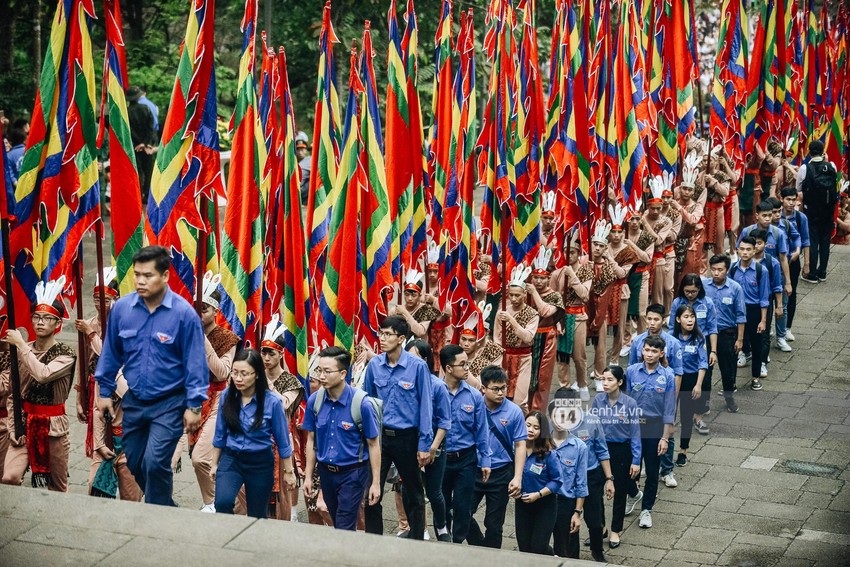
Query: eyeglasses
43	319
462	364
237	374
499	389
387	334
323	372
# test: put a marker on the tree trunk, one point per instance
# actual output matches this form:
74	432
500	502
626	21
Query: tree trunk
35	43
8	16
134	18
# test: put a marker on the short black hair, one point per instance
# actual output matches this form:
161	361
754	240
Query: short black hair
424	350
788	192
816	148
748	240
655	342
655	308
720	259
20	123
17	136
342	356
493	375
694	280
159	255
397	324
764	207
774	202
757	234
448	355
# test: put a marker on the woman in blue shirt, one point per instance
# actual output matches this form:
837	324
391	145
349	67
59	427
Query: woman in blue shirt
536	509
692	292
694	366
620	419
253	417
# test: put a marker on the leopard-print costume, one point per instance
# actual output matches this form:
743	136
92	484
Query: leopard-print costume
553	298
425	313
484	357
42	394
523	318
603	281
287	382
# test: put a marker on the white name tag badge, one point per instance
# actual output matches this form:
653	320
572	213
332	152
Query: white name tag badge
701	314
727	301
690	348
536	469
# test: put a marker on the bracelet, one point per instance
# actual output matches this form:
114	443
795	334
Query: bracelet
290	471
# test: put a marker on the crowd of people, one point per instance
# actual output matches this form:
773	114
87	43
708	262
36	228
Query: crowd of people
461	416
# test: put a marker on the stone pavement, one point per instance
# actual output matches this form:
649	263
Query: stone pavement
768	487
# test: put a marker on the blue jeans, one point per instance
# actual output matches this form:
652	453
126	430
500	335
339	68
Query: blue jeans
151	432
343	492
458	486
782	322
667	458
254	469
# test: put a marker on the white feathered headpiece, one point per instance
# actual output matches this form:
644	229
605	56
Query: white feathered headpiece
46	293
433	254
109	276
618	215
661	185
519	274
470	327
549	203
541	262
273	331
690	171
414	279
210	285
601	231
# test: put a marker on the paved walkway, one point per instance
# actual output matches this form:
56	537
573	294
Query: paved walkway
768	487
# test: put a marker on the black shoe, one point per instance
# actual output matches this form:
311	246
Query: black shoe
444	537
822	278
731	405
587	540
599	557
681	460
810	279
613	544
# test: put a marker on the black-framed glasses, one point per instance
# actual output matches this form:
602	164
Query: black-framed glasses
498	389
323	372
462	364
44	319
387	334
238	374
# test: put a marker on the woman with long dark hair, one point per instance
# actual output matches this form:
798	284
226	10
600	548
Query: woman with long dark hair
253	417
536	508
694	366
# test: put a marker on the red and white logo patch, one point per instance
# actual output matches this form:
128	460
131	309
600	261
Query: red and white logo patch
406	385
346	425
504	421
468	408
164	338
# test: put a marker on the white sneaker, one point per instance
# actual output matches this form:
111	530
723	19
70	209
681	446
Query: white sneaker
574	386
669	481
625	350
208	508
742	359
789	336
583	394
645	519
783	345
632	502
426	536
763	373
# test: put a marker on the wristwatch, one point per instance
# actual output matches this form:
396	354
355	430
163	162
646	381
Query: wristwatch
196	411
579	512
611	478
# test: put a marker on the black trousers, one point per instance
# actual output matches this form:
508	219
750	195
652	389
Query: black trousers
458	487
534	524
495	491
689	406
400	447
651	432
621	460
727	360
755	338
819	235
794	269
565	543
144	165
594	508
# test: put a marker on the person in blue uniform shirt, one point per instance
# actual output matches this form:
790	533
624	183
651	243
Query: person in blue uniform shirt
776	284
156	336
571	453
795	248
536	508
778	241
795	264
250	417
755	283
435	471
653	388
695	364
673	359
403	383
620	419
348	457
467	442
728	298
507	459
692	292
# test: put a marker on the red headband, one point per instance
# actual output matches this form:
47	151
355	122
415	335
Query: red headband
469	332
49	309
540	272
271	344
654	201
412	286
616	227
106	291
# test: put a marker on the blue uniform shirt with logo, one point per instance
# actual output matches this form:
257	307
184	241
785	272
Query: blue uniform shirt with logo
572	460
801	222
442	406
694	354
774	270
338	441
728	299
777	241
510	422
469	424
672	351
161	353
590	431
705	310
541	473
654	391
250	440
620	421
756	289
405	390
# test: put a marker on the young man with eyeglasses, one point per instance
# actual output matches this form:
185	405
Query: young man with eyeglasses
46	369
508	435
335	445
402	381
467	443
156	337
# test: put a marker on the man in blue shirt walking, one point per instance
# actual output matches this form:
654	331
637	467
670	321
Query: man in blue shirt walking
756	289
348	453
403	382
795	263
156	336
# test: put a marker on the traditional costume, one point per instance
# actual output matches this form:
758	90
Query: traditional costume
486	352
440	331
601	296
544	349
5	393
46	378
663	257
638	278
548	239
689	244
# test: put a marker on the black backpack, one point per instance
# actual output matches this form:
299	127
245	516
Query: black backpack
820	189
